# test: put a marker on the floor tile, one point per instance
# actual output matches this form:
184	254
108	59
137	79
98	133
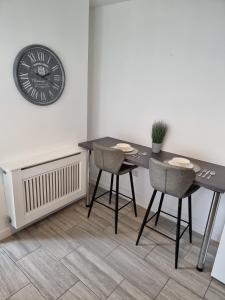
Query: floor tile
139	273
97	275
11	278
50	240
29	292
102	219
66	219
19	245
93	239
162	257
127	238
79	292
127	291
49	276
216	291
175	291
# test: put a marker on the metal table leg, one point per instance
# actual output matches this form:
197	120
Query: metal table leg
208	231
88	178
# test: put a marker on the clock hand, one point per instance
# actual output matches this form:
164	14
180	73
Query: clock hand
46	75
43	77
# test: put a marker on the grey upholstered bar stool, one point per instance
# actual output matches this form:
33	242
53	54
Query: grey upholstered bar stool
112	161
173	181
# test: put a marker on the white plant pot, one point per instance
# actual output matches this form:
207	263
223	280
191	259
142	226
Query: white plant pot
156	148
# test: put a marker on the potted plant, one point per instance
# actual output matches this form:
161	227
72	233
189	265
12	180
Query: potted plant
159	130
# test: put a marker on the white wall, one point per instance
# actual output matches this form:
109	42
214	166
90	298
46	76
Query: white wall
26	128
159	59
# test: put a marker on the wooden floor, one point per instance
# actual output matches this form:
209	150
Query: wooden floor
67	256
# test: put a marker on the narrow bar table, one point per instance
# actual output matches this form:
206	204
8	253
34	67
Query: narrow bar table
215	183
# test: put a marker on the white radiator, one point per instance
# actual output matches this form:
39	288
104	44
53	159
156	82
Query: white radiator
35	191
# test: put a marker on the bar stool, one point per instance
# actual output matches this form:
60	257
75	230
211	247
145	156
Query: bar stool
112	161
173	181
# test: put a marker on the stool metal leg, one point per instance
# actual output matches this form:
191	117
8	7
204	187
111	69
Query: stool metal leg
111	187
178	232
94	194
159	209
146	216
190	218
117	203
133	194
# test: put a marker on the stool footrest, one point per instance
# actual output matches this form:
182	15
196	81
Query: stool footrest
153	228
107	192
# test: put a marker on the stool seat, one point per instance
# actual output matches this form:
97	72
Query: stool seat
111	160
126	168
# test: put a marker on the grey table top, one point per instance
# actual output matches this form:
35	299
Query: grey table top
215	183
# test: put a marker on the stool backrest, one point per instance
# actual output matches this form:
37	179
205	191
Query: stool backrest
171	180
108	159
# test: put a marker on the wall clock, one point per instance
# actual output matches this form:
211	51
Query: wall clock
39	74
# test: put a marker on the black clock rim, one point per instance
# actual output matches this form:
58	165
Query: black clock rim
15	65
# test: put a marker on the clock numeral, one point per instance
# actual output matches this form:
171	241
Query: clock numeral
32	57
43	96
26	84
41	56
34	93
24	64
57	77
55	86
55	68
51	93
49	58
23	76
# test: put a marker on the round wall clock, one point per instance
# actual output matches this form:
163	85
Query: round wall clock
39	74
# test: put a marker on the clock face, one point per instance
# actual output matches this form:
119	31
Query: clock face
39	75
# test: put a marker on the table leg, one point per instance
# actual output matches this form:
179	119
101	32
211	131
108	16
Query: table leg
208	231
88	178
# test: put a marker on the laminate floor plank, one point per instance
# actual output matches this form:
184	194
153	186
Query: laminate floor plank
12	278
29	292
162	257
175	291
127	291
139	273
102	219
49	276
92	238
51	240
126	237
216	291
19	245
93	271
79	292
66	219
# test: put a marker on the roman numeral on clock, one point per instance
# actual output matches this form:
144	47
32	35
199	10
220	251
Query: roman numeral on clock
34	93
51	93
24	64
49	58
26	84
23	76
57	77
43	96
41	56
32	57
55	68
55	86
